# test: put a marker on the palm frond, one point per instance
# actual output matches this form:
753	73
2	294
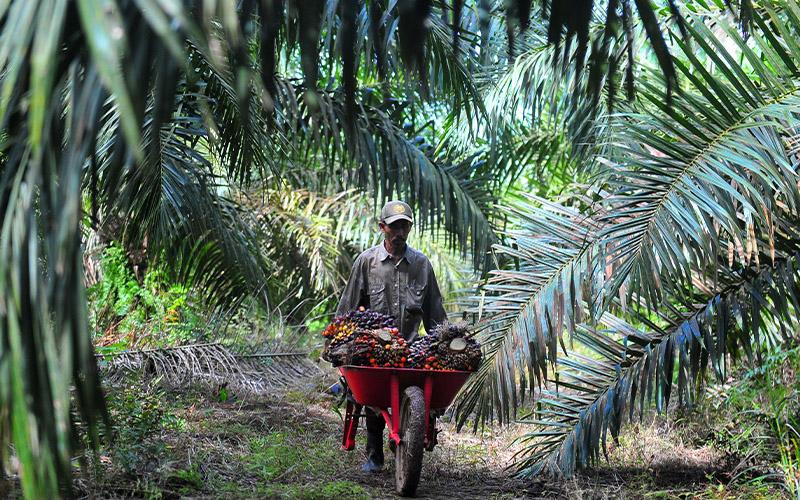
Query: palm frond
172	202
401	41
728	166
69	69
45	348
299	231
530	96
211	365
629	369
239	128
705	172
536	160
379	157
528	306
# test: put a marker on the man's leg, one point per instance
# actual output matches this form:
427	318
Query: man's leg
375	426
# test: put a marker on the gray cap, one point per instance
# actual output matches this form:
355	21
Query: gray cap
396	210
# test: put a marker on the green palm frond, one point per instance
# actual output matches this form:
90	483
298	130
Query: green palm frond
528	304
45	347
299	232
546	159
533	90
240	134
573	22
707	171
451	71
364	40
532	104
173	202
629	369
690	182
591	30
378	156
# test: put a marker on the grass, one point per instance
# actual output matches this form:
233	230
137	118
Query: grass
269	457
755	420
293	454
340	490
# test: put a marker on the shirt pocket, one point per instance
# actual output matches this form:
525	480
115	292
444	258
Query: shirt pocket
415	296
377	298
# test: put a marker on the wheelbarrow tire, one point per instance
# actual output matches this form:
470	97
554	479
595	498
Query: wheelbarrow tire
408	454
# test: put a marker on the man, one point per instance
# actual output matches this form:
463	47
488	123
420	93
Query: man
393	278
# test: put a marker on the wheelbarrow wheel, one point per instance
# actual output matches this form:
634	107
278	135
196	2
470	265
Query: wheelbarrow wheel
408	454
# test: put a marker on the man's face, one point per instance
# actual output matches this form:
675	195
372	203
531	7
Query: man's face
396	233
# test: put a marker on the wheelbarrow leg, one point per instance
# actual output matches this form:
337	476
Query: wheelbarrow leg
393	420
430	427
350	425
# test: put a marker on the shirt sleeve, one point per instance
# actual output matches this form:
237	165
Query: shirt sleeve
433	312
355	293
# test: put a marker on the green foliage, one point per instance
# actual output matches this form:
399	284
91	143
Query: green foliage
788	435
118	289
139	417
678	261
276	457
189	480
339	489
345	490
222	395
126	314
271	456
756	418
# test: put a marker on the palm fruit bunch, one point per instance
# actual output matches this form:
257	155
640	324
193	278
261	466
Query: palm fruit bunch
348	336
370	320
339	331
380	348
447	347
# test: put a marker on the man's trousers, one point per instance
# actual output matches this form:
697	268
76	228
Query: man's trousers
375	426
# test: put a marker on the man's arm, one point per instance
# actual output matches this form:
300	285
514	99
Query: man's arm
433	312
356	290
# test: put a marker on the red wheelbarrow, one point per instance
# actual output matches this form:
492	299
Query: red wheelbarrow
409	401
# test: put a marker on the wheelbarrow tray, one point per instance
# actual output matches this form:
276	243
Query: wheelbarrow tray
371	385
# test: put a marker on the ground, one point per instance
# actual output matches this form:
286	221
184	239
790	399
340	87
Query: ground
206	445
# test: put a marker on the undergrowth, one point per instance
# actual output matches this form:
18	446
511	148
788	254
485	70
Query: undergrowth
756	421
189	444
125	313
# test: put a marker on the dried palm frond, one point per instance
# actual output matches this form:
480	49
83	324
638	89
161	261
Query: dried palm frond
211	365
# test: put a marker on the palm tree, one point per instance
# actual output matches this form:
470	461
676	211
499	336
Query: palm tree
681	257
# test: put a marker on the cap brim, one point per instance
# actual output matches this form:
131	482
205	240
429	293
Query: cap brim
393	218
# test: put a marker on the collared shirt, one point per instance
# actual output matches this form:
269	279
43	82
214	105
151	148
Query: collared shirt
405	288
